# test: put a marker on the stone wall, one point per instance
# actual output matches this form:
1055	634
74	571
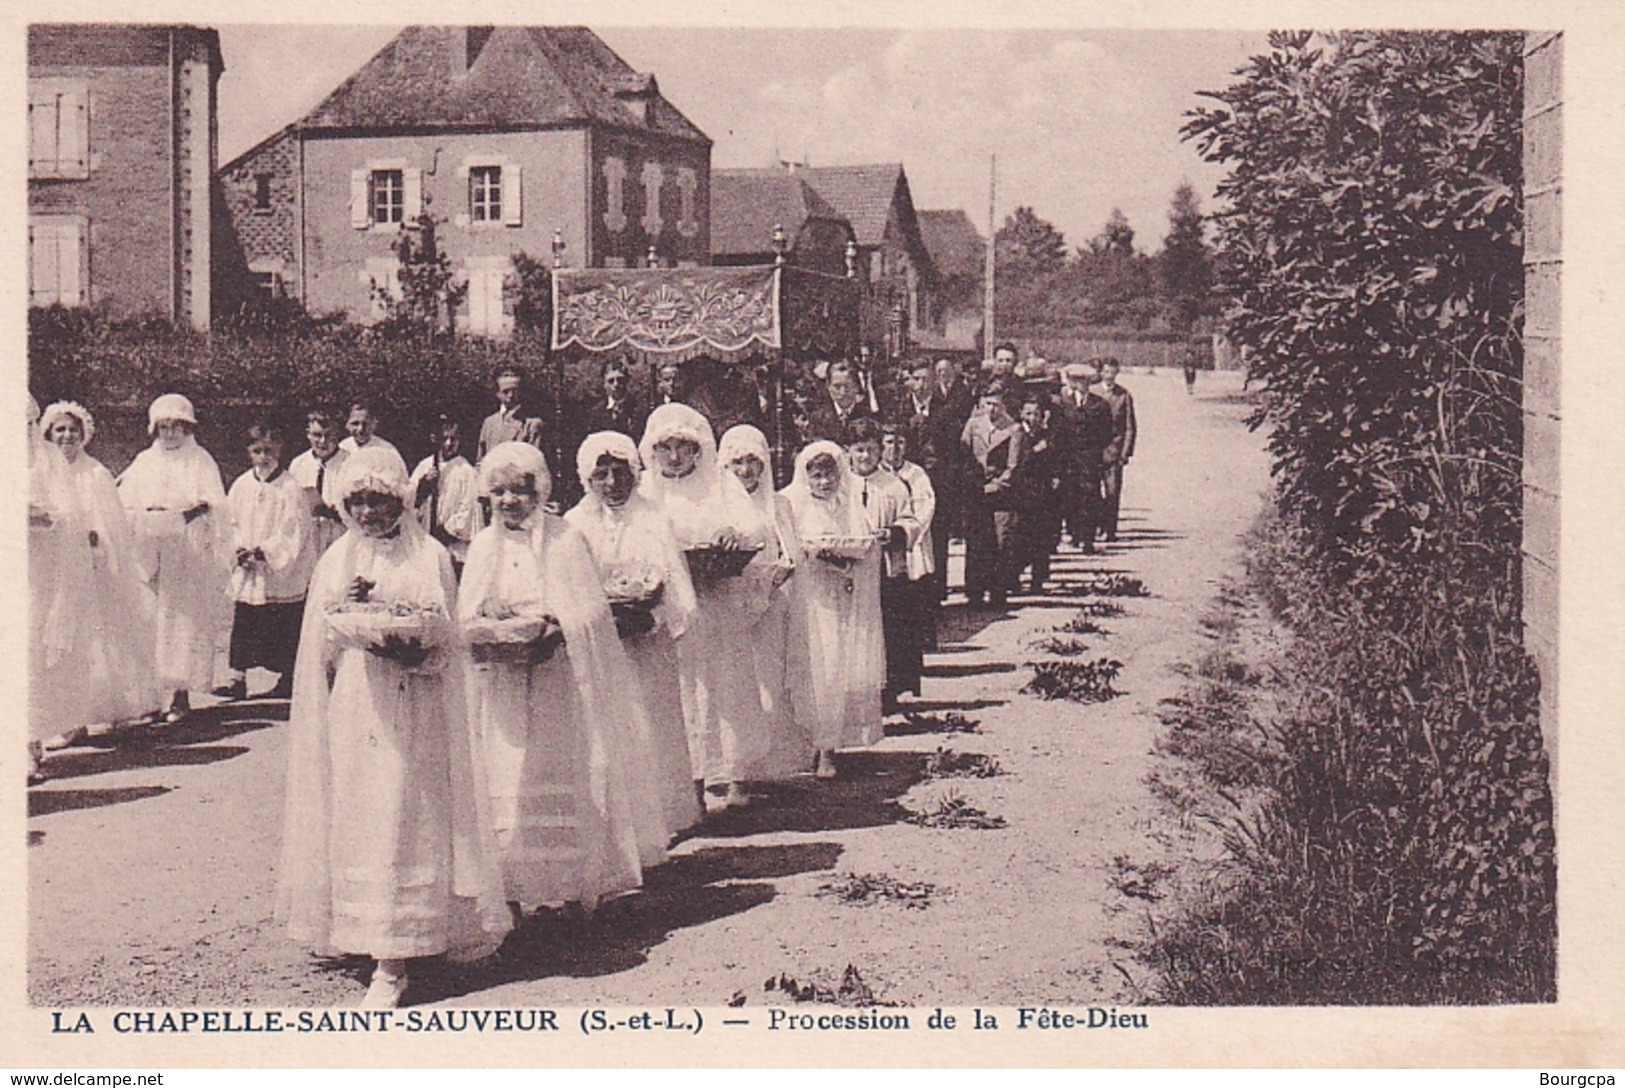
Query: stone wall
1543	341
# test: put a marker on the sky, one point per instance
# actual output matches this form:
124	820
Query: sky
1081	121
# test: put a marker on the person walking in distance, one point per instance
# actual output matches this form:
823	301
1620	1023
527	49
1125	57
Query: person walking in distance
1122	445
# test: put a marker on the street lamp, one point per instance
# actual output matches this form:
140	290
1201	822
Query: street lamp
558	248
781	243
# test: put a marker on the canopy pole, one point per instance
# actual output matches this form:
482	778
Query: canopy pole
781	475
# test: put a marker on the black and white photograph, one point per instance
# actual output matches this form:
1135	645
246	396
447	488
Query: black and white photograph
792	527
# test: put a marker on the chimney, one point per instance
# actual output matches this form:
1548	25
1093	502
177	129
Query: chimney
465	45
637	89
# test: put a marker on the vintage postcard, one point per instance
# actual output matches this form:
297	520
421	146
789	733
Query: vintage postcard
885	535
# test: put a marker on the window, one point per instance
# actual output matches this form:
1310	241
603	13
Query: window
56	261
494	194
385	194
485	194
267	285
262	192
388	202
58	129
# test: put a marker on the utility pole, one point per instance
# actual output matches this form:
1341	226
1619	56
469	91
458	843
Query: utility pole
987	272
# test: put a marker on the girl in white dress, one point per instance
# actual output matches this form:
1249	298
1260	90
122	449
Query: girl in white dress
722	704
48	531
745	454
177	507
647	581
552	701
837	651
387	847
98	634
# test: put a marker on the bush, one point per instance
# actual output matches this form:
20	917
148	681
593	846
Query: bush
286	364
1371	259
1400	848
1391	830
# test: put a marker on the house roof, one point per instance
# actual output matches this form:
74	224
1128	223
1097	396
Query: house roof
955	245
747	204
862	194
498	77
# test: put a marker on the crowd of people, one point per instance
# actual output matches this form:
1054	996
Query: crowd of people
496	706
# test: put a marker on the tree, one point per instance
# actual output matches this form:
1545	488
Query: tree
1031	242
1184	266
1030	257
1116	237
429	291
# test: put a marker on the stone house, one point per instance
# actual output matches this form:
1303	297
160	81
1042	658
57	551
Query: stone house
122	147
511	137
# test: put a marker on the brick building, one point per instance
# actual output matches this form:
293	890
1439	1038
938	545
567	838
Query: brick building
507	135
122	147
900	282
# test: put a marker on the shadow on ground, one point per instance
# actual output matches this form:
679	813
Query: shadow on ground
42	802
690	890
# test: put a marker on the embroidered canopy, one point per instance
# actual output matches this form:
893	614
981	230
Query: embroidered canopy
729	314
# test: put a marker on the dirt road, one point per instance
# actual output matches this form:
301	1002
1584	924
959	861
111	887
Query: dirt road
152	865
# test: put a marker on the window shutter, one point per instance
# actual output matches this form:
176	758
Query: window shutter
413	181
69	241
511	198
41	135
75	121
39	276
360	199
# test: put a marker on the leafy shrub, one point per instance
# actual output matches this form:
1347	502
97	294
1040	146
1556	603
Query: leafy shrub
1061	647
952	722
851	991
947	763
950	811
1079	681
1081	624
284	366
864	889
1112	585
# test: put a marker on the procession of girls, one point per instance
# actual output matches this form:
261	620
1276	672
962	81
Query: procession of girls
525	718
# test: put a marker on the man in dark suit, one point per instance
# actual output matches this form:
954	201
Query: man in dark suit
615	410
957	478
1083	431
832	413
1122	444
1037	488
